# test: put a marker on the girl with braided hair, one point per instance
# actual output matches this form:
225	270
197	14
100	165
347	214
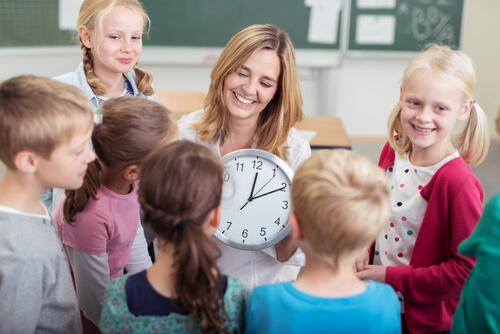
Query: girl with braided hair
110	34
98	223
183	292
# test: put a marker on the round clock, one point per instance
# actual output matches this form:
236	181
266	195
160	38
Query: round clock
255	199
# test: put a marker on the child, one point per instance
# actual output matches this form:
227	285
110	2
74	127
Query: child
110	33
479	308
435	200
254	101
180	193
45	128
340	203
98	223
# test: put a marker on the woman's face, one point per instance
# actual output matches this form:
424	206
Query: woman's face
249	89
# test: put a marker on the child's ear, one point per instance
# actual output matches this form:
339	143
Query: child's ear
26	162
85	36
297	231
214	220
465	112
131	172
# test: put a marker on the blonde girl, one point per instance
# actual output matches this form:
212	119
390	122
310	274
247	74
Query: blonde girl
98	223
435	198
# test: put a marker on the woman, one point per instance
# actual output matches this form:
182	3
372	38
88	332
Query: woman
253	101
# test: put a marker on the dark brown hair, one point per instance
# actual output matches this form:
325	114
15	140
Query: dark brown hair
131	128
180	185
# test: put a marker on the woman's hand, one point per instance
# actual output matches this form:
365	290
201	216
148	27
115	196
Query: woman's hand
286	248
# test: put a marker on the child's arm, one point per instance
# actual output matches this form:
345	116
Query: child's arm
139	256
91	274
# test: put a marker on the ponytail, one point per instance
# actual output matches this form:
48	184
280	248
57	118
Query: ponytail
474	141
196	279
76	200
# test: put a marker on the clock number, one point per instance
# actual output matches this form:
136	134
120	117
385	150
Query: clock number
274	171
244	234
262	231
257	164
226	177
229	225
239	166
283	185
277	221
285	205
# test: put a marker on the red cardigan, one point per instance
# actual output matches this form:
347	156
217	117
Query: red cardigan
431	284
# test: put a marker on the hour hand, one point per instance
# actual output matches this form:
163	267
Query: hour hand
251	192
270	192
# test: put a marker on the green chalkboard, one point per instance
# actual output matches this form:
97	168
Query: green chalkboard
198	23
415	23
211	23
31	23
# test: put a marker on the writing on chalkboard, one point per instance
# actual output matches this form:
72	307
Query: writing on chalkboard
418	22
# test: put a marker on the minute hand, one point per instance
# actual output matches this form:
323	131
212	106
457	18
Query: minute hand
270	192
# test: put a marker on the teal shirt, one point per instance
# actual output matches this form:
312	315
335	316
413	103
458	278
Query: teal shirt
479	307
116	317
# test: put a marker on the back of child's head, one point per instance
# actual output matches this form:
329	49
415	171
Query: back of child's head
131	128
91	16
341	200
39	114
456	68
181	185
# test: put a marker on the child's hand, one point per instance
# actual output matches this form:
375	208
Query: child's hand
374	273
362	262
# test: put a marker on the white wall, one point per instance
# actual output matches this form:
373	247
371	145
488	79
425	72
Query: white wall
361	91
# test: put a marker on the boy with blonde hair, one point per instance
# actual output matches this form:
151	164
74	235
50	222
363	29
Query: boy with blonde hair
340	203
45	127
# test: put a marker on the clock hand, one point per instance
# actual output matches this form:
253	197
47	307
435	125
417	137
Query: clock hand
258	191
270	192
251	192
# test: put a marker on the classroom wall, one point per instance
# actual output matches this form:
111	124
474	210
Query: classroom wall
361	91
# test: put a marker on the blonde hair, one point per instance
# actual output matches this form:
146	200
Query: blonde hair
342	202
456	68
91	16
280	115
39	114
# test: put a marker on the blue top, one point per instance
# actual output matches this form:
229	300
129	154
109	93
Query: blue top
79	80
282	308
117	318
142	298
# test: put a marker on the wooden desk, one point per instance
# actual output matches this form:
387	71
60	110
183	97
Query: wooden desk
330	132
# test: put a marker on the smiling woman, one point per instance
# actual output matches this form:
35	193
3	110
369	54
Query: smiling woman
254	101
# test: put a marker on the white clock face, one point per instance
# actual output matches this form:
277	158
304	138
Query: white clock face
255	199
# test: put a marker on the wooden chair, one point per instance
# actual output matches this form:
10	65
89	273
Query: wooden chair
181	102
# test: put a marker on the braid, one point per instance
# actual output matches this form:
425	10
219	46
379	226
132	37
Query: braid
99	87
144	81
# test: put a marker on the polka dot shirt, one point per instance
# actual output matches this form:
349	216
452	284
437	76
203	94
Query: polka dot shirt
394	245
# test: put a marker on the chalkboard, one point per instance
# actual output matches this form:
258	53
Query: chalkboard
211	23
414	24
198	23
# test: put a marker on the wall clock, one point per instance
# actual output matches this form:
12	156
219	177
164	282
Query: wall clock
255	199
